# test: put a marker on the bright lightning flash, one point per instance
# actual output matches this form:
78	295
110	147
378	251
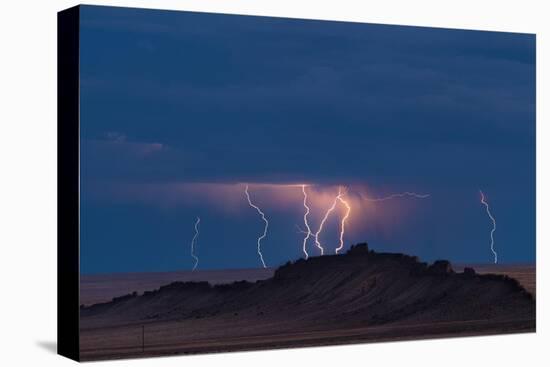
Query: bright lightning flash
343	224
193	242
308	233
484	202
265	227
330	210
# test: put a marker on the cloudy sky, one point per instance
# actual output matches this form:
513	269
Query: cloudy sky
180	110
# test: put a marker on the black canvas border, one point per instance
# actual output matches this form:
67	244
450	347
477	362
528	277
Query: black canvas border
68	185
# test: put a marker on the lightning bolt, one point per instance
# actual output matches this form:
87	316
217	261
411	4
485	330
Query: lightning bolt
399	195
193	241
494	223
265	227
317	242
343	224
308	233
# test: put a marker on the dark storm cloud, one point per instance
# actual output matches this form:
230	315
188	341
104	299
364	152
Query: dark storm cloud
218	98
259	94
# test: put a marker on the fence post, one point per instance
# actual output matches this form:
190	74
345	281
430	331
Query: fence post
142	338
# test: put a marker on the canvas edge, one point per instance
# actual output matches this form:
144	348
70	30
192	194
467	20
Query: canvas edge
68	184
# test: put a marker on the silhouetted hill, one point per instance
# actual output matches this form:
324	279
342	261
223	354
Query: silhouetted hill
359	288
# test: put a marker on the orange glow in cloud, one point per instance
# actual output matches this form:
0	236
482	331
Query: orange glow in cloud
313	204
218	196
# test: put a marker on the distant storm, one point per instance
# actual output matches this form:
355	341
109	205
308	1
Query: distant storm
180	111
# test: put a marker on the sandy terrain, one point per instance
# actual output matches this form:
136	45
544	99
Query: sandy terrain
180	337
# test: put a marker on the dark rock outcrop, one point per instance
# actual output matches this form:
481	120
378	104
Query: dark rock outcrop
361	287
441	267
359	249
